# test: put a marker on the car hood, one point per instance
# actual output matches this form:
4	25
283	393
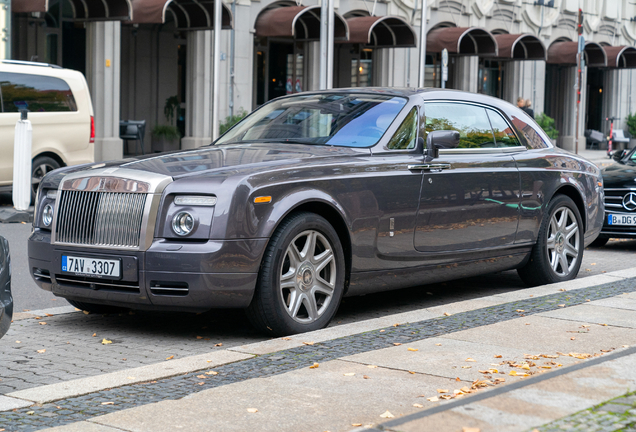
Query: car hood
223	157
619	176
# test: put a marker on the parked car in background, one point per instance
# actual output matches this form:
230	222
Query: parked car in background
317	196
620	198
6	300
60	110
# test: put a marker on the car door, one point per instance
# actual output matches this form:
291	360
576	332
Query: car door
469	197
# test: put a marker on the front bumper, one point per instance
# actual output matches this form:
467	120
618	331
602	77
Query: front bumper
170	275
618	231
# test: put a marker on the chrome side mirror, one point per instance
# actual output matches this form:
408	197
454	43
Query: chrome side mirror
440	139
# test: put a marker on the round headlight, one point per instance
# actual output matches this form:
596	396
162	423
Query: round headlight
47	215
182	223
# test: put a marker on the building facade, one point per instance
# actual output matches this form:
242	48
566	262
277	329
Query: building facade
142	57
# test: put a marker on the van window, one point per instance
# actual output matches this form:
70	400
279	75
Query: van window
35	93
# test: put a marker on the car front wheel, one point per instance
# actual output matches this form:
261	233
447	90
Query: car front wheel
301	280
557	255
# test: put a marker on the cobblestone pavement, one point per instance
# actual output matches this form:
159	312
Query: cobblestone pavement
618	414
80	408
145	338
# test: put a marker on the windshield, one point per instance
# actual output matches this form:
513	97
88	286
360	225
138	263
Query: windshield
347	120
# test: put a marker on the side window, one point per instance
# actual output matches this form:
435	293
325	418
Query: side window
406	134
35	93
504	135
469	120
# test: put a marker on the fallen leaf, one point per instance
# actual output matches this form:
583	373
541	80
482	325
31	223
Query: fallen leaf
419	405
525	366
366	377
445	397
432	399
170	358
470	429
396	325
412	373
349	374
382	331
412	349
85	312
42	323
562	289
199	337
252	410
356	424
219	344
447	314
372	366
397	343
587	300
561	305
314	366
108	403
18	342
106	342
457	379
625	346
130	378
30	412
520	310
513	373
498	356
211	373
442	391
438	344
466	367
201	376
604	325
572	338
308	343
42	351
470	359
387	414
286	338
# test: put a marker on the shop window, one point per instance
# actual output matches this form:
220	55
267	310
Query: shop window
35	93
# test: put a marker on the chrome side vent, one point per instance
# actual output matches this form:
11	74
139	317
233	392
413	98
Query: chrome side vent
100	218
42	275
169	288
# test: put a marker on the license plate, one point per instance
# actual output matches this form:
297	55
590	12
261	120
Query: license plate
619	219
91	266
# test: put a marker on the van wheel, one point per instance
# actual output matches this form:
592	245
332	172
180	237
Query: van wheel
42	165
301	280
557	255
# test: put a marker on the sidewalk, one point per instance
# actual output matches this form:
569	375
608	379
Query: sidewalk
508	362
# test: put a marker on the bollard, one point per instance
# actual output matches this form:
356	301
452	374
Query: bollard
21	194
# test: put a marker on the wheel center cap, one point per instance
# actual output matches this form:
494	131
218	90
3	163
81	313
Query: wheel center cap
560	242
305	276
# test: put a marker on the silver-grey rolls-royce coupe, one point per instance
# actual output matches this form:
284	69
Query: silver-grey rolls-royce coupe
317	196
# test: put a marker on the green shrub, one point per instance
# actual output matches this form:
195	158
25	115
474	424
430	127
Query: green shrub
547	124
232	120
166	131
631	124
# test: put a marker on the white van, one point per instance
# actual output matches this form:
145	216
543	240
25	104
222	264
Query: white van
60	110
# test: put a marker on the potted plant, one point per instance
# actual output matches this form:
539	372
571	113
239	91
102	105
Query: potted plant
166	137
547	124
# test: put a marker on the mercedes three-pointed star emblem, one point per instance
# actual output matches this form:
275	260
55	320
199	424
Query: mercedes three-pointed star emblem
629	201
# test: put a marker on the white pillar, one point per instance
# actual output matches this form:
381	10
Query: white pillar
103	74
198	90
467	73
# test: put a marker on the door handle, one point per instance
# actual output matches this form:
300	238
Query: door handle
430	166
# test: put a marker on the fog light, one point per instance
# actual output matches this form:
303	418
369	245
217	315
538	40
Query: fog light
182	223
47	215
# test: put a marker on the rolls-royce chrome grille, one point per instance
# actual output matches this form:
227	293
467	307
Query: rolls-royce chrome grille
100	218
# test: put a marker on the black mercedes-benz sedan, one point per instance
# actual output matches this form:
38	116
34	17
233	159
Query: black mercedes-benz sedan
620	198
316	196
6	300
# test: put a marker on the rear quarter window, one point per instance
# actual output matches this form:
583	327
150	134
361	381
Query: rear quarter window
35	93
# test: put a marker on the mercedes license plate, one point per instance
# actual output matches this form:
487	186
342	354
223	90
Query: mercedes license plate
90	266
620	219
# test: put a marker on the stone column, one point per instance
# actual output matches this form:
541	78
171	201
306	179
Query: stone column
467	73
198	90
103	72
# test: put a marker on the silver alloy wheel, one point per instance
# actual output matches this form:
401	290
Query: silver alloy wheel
563	241
308	276
38	173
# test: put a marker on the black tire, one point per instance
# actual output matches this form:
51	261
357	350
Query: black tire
40	167
600	241
549	261
282	309
94	308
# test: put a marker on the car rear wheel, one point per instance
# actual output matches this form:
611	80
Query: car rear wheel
557	255
301	280
41	166
94	308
